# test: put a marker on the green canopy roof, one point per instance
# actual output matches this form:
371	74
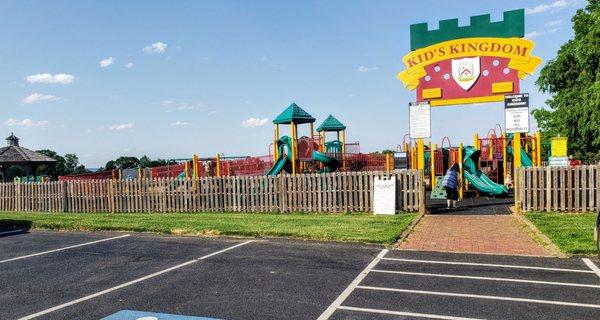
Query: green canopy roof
294	113
331	124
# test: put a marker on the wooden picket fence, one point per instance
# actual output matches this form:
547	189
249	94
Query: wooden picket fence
332	192
571	189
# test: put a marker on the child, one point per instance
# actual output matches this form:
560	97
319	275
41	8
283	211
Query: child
508	181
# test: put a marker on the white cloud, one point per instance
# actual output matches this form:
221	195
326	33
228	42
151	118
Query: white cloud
534	34
61	78
553	23
122	126
212	113
254	122
129	65
545	7
107	62
39	98
155	48
179	123
172	105
25	123
366	69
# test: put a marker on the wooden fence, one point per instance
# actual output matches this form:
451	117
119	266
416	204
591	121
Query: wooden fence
574	189
333	192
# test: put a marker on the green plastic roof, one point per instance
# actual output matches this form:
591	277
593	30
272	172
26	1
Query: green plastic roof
331	124
294	113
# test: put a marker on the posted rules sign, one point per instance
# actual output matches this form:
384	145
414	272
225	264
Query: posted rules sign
384	195
419	120
516	113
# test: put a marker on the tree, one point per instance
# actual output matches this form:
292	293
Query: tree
573	80
69	164
127	162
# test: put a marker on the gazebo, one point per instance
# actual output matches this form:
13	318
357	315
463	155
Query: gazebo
15	155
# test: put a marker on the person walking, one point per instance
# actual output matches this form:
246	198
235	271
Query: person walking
450	184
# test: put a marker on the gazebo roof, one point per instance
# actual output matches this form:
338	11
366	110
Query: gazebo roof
294	113
15	154
331	124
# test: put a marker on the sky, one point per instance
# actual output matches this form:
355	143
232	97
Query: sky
169	79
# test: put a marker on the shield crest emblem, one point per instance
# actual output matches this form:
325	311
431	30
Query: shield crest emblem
465	71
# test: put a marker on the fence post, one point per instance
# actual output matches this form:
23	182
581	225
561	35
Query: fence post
63	194
517	183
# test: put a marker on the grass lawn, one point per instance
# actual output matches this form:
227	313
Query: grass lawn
341	227
572	233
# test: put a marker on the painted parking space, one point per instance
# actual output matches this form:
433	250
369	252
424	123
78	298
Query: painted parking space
273	279
173	277
141	315
450	286
22	242
47	281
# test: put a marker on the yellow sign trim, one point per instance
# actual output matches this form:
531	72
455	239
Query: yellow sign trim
518	50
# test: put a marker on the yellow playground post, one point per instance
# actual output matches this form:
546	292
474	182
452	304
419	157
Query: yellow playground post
538	147
218	165
432	162
344	149
420	155
460	171
516	152
293	151
275	149
504	160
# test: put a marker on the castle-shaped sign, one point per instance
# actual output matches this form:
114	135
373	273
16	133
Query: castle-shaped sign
478	63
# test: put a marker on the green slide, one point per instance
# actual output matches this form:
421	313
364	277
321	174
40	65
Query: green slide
283	161
525	160
476	177
331	164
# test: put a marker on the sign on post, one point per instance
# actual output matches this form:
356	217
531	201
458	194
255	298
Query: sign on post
384	195
516	113
419	120
558	147
558	161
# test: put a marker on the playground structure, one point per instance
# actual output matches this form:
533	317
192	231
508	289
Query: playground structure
484	166
313	151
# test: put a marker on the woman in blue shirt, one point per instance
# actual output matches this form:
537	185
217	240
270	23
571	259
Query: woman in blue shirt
450	183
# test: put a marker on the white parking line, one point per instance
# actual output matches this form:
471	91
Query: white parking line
441	275
405	314
340	299
489	265
62	249
592	266
11	232
477	296
126	284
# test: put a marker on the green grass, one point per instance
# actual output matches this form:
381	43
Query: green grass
338	227
572	233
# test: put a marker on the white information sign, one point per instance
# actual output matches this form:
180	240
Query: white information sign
384	195
558	161
516	113
419	120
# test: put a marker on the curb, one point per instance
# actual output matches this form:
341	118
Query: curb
554	250
407	231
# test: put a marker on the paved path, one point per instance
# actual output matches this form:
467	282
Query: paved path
489	234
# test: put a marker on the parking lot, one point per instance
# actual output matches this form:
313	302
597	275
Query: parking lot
76	275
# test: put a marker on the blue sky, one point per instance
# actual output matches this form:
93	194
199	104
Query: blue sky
173	78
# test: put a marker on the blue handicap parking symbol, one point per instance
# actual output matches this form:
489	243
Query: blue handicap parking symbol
140	315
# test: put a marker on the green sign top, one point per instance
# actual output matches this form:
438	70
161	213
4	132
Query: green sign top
513	25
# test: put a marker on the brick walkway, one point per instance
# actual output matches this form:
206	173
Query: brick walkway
491	234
